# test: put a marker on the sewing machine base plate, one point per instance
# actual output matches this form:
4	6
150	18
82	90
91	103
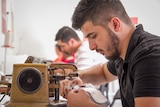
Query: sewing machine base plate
35	105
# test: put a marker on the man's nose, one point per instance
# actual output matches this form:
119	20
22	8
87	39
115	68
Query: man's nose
92	46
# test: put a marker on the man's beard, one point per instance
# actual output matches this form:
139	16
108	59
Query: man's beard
114	56
114	46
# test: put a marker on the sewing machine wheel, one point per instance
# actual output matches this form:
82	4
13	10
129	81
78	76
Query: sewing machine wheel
29	80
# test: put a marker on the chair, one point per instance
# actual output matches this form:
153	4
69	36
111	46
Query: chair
104	90
116	97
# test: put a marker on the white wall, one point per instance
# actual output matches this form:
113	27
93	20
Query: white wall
37	21
147	12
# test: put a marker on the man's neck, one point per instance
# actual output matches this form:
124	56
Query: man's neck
126	40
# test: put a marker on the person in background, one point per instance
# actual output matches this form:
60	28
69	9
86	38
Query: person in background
133	54
63	57
70	43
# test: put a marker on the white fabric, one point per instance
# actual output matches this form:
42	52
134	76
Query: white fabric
4	100
96	95
85	58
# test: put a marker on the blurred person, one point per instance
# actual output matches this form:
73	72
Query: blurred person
63	57
133	55
70	43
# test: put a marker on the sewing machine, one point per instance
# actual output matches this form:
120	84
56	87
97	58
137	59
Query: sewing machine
34	84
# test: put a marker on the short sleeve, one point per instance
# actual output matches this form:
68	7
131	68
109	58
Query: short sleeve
111	67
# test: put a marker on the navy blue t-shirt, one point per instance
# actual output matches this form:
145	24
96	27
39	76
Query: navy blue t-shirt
139	73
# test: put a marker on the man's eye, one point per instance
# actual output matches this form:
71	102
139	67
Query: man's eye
93	36
61	46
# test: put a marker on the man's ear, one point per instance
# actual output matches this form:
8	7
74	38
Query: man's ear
115	24
71	41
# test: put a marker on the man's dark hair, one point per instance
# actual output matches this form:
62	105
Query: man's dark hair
65	34
58	47
99	12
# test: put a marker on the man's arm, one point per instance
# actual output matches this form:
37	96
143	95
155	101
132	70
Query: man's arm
147	102
97	74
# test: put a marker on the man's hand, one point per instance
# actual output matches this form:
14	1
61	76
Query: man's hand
80	98
67	85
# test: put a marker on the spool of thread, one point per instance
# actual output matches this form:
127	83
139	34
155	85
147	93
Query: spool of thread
8	39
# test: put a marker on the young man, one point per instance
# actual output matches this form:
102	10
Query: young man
134	55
